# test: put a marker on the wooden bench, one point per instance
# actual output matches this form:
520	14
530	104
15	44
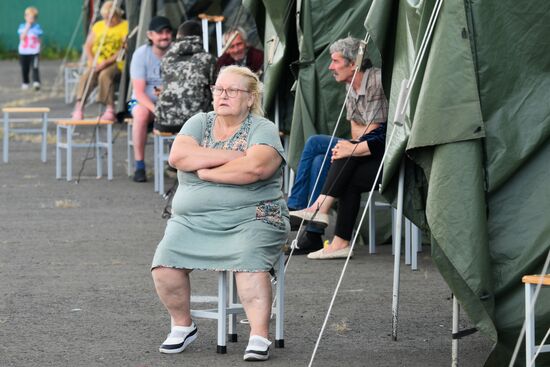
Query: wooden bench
69	126
531	284
161	148
25	110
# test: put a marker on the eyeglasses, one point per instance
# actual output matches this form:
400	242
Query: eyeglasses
231	92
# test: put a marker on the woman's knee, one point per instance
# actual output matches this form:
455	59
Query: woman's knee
252	286
169	278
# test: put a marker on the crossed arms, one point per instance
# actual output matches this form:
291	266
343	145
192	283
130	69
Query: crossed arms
259	162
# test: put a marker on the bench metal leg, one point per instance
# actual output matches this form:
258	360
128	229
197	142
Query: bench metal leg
155	161
98	152
416	235
232	332
222	311
280	304
69	152
109	152
6	136
58	153
407	241
129	149
160	166
372	227
43	154
529	325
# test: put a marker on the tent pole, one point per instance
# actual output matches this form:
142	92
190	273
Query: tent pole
399	120
454	352
397	254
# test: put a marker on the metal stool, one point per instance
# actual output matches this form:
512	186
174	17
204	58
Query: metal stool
229	308
69	126
161	154
43	130
531	283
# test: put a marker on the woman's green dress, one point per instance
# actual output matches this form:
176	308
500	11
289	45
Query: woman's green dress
222	226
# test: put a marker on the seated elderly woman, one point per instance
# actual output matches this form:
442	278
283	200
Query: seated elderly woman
228	212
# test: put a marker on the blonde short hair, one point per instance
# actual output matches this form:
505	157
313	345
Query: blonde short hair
31	10
106	10
253	85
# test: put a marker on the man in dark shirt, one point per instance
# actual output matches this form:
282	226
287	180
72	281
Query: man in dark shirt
240	52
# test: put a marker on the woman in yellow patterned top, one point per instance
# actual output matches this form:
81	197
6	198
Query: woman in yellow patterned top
102	47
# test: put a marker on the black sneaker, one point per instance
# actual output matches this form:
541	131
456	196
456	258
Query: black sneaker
309	242
139	175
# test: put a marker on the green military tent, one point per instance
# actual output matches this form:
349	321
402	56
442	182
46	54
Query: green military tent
475	136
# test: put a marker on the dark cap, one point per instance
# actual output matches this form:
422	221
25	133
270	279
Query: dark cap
159	23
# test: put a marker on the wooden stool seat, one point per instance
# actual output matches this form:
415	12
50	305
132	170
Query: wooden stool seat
211	18
536	279
89	122
163	133
69	126
531	283
26	109
43	130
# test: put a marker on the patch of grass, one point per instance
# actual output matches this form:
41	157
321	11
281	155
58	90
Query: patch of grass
55	52
48	52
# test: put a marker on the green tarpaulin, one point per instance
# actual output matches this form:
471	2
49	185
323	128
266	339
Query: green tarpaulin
475	139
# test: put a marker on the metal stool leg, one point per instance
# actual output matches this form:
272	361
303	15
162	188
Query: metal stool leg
160	157
407	241
58	152
222	311
44	137
155	161
529	325
109	152
372	227
280	294
6	136
232	332
130	145
69	140
98	152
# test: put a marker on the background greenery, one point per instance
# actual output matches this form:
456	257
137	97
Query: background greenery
59	19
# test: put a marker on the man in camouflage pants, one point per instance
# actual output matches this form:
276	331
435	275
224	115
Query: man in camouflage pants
187	72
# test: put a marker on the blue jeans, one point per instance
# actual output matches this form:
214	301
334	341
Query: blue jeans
308	169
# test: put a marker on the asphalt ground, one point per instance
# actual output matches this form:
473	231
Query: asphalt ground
76	290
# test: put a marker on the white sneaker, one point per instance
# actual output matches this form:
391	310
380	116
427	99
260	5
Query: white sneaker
36	86
179	338
24	86
257	349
